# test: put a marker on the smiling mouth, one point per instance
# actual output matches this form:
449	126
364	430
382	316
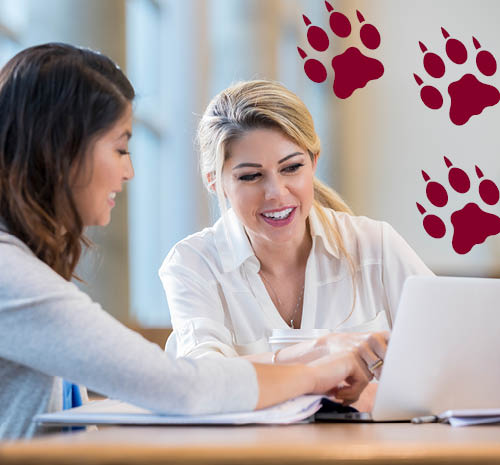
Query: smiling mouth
111	199
279	218
279	215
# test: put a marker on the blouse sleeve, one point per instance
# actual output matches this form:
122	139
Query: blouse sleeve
196	309
399	261
48	324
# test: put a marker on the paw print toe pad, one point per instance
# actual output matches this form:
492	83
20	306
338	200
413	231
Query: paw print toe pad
352	69
471	224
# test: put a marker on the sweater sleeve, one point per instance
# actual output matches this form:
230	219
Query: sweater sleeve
48	324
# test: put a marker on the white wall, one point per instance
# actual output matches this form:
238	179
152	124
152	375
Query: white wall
389	135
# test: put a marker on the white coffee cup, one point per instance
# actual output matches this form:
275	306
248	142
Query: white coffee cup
281	338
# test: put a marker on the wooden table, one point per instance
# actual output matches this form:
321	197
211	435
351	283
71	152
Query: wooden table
396	443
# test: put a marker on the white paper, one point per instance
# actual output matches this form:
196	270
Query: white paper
469	417
470	421
111	411
479	412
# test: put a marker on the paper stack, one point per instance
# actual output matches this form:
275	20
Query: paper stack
115	412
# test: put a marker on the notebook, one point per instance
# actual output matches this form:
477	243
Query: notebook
112	411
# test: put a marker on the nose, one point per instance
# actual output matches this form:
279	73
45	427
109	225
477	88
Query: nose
128	169
275	187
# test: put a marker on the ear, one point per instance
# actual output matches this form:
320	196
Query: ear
212	184
210	180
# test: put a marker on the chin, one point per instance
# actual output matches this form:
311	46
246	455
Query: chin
103	221
280	236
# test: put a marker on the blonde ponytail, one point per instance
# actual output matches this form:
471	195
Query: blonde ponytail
326	197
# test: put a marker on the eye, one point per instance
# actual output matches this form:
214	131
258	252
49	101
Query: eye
292	168
249	177
123	152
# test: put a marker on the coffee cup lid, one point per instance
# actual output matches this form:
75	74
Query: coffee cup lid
289	333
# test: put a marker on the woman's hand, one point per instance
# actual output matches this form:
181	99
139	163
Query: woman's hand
371	347
367	398
335	365
342	374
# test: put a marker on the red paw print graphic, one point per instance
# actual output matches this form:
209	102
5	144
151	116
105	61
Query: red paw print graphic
353	70
471	224
468	95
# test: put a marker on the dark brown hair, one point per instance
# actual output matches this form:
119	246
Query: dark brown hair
55	99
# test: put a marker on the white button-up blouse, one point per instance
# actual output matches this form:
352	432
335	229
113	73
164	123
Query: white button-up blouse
219	304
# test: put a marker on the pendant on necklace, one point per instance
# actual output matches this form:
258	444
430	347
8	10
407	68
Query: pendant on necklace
291	324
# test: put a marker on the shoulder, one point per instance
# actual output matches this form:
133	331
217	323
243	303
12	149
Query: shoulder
18	259
361	235
361	225
197	251
25	276
377	241
10	244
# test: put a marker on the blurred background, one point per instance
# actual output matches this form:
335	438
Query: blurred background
178	54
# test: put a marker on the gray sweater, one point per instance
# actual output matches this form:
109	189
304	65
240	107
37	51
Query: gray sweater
50	329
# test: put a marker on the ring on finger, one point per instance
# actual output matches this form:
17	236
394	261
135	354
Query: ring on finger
377	364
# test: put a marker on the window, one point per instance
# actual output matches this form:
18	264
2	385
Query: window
147	300
12	21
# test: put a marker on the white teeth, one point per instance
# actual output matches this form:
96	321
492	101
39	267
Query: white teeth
279	215
112	195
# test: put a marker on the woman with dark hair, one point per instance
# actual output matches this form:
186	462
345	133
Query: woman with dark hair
65	123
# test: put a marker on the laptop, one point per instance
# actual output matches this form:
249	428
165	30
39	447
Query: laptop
443	354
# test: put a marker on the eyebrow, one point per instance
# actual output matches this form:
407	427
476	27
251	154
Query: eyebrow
257	165
125	133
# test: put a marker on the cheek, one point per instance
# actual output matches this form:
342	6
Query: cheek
249	197
310	188
107	176
303	185
243	199
85	204
98	190
303	190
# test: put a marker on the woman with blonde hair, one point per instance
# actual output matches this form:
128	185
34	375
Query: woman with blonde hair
288	253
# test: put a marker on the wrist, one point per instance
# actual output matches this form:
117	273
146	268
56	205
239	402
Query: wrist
303	378
309	378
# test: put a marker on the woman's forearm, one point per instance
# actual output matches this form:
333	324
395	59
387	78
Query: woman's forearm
278	383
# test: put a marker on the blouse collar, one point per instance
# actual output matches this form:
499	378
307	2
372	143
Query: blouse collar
317	229
234	247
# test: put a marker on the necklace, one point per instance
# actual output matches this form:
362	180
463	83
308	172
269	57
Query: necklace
276	297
